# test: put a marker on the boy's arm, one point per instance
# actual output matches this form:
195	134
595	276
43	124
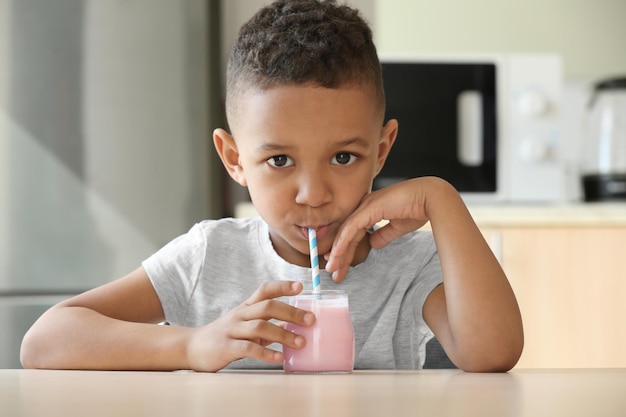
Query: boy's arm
115	327
474	314
110	327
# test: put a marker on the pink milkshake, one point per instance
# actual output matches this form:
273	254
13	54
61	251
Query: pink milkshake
329	342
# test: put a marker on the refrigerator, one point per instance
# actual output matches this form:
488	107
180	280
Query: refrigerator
106	112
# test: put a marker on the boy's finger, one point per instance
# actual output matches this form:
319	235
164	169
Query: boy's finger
261	330
277	310
340	274
274	289
344	248
248	349
353	229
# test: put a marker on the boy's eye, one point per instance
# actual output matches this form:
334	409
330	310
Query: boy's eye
280	161
343	158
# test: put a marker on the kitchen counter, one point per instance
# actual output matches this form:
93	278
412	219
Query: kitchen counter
556	215
520	393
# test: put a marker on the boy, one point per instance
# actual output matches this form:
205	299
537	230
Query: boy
305	106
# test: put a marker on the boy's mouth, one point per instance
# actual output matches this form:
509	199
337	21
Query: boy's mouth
320	231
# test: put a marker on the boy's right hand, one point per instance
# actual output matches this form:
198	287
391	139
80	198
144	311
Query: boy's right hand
246	331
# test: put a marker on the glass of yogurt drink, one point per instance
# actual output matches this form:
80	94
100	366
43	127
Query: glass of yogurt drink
329	344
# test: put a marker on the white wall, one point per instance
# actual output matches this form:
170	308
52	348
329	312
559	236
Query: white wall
589	34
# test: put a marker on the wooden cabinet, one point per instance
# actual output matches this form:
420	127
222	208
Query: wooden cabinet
570	282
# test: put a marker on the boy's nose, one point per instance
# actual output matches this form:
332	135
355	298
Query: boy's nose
313	191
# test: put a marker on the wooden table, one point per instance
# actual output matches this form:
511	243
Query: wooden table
553	393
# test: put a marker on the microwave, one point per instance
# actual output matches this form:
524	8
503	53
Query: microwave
489	124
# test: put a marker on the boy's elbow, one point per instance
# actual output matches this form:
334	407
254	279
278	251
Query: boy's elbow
501	359
28	352
38	349
503	364
32	351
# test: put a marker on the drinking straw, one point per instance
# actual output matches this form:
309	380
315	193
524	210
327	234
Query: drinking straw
315	266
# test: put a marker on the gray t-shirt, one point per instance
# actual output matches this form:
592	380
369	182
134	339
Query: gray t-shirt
218	264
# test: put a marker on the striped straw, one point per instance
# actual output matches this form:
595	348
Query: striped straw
315	266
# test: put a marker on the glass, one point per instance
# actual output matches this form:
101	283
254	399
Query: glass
329	342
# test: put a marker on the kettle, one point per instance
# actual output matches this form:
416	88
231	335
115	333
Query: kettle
603	165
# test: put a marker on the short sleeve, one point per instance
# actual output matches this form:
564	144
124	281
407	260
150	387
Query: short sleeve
174	271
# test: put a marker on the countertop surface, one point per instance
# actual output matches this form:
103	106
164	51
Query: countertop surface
536	393
555	215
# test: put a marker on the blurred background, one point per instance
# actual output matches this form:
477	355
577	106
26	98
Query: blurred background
107	109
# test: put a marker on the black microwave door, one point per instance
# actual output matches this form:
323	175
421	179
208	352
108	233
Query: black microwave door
434	104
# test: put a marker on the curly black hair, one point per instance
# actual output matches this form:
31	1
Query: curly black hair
304	42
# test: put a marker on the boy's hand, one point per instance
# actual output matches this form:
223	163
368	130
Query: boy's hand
246	331
403	205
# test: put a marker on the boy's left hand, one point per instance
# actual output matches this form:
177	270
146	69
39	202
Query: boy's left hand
403	205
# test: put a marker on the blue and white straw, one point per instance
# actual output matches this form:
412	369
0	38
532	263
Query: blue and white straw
315	266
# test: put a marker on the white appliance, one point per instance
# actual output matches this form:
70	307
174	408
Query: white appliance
488	123
604	154
105	146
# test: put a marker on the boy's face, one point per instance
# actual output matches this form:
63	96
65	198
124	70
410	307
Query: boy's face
308	155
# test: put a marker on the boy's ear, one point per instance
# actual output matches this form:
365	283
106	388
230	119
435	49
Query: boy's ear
229	154
388	135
